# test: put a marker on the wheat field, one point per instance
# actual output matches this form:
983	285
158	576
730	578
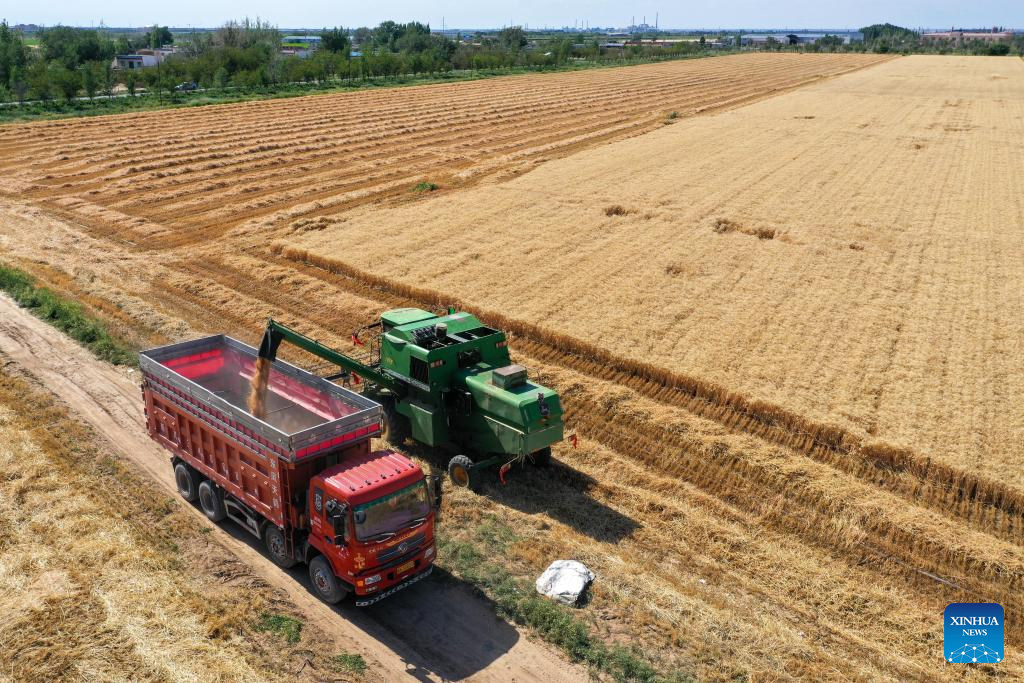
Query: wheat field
174	178
848	251
787	355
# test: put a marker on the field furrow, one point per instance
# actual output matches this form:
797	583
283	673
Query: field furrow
281	161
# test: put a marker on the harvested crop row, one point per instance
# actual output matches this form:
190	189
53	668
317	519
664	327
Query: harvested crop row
204	125
453	133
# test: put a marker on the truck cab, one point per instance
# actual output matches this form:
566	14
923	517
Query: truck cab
371	519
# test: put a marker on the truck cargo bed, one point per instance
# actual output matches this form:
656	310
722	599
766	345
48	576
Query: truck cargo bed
304	413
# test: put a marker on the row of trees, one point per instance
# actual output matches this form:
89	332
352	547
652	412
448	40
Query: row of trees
892	38
67	63
884	38
71	62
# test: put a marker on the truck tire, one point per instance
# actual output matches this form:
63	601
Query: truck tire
541	458
396	425
274	541
463	474
325	583
188	482
212	501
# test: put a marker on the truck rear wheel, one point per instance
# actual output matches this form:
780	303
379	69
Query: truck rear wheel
541	458
212	502
188	482
325	583
396	426
277	549
463	473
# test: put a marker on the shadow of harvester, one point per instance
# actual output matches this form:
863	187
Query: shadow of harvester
564	494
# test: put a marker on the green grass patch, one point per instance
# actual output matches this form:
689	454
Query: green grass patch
348	663
66	315
425	187
283	625
482	562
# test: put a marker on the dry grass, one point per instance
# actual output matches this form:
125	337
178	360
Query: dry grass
187	176
104	577
743	519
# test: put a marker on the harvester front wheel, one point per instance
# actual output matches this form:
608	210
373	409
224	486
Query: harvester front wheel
541	458
463	473
396	426
188	482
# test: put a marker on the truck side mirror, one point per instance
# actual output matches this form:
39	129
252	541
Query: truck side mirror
435	485
339	523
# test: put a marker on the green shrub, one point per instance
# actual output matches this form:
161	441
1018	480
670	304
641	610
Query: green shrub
67	316
288	627
345	662
425	187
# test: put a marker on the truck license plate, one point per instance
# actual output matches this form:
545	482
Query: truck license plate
406	567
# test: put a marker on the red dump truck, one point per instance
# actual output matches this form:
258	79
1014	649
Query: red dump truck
303	479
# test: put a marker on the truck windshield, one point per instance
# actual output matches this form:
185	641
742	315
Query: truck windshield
384	517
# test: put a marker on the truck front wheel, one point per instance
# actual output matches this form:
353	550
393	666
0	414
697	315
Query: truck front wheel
462	472
273	539
212	502
187	481
325	583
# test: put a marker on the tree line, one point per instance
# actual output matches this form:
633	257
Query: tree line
884	38
69	63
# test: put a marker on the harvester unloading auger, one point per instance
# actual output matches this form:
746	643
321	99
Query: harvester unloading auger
448	381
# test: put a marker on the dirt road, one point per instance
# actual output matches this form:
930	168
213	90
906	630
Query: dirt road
434	631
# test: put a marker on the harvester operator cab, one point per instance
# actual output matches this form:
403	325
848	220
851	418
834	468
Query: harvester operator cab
429	350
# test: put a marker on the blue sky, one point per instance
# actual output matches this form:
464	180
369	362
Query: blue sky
535	13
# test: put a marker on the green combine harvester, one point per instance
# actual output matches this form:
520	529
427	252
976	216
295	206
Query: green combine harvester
447	381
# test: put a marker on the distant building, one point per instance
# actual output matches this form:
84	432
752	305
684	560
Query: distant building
799	37
141	59
961	37
130	62
305	40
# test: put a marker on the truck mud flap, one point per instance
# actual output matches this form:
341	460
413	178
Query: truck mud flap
394	589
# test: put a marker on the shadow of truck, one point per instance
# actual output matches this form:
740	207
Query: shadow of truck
440	627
